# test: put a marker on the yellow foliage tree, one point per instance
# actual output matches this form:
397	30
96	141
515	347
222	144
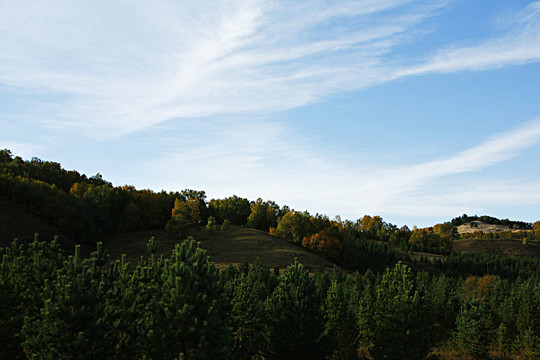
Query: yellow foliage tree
78	189
477	286
184	214
536	230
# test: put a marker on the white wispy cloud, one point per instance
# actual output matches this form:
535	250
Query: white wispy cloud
519	46
497	149
118	67
402	189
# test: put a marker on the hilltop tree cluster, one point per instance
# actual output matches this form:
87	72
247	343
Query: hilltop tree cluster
515	225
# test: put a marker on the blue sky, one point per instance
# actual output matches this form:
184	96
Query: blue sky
418	111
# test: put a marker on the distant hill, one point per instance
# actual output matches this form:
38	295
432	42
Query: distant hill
508	247
478	225
485	219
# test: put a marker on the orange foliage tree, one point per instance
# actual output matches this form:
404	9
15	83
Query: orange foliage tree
323	244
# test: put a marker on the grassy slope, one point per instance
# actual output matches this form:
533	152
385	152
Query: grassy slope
248	244
225	248
17	222
503	247
230	247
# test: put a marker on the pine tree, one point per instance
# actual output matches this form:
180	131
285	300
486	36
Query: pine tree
296	319
364	311
72	320
445	305
529	345
341	325
23	273
402	324
472	338
249	318
187	316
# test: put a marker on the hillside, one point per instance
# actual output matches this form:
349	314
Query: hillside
225	248
247	244
231	247
17	222
511	248
508	247
41	197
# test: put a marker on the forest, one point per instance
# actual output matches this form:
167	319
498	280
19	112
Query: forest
378	302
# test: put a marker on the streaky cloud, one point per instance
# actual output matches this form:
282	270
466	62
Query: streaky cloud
520	45
306	179
112	69
115	68
397	181
497	149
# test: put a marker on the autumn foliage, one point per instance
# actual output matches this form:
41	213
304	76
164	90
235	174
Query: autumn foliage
323	244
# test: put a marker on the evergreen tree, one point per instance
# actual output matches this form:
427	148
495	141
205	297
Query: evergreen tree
471	339
529	345
341	326
295	314
364	311
72	321
445	304
188	315
402	324
248	312
23	273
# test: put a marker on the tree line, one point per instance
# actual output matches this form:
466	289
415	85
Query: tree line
88	208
